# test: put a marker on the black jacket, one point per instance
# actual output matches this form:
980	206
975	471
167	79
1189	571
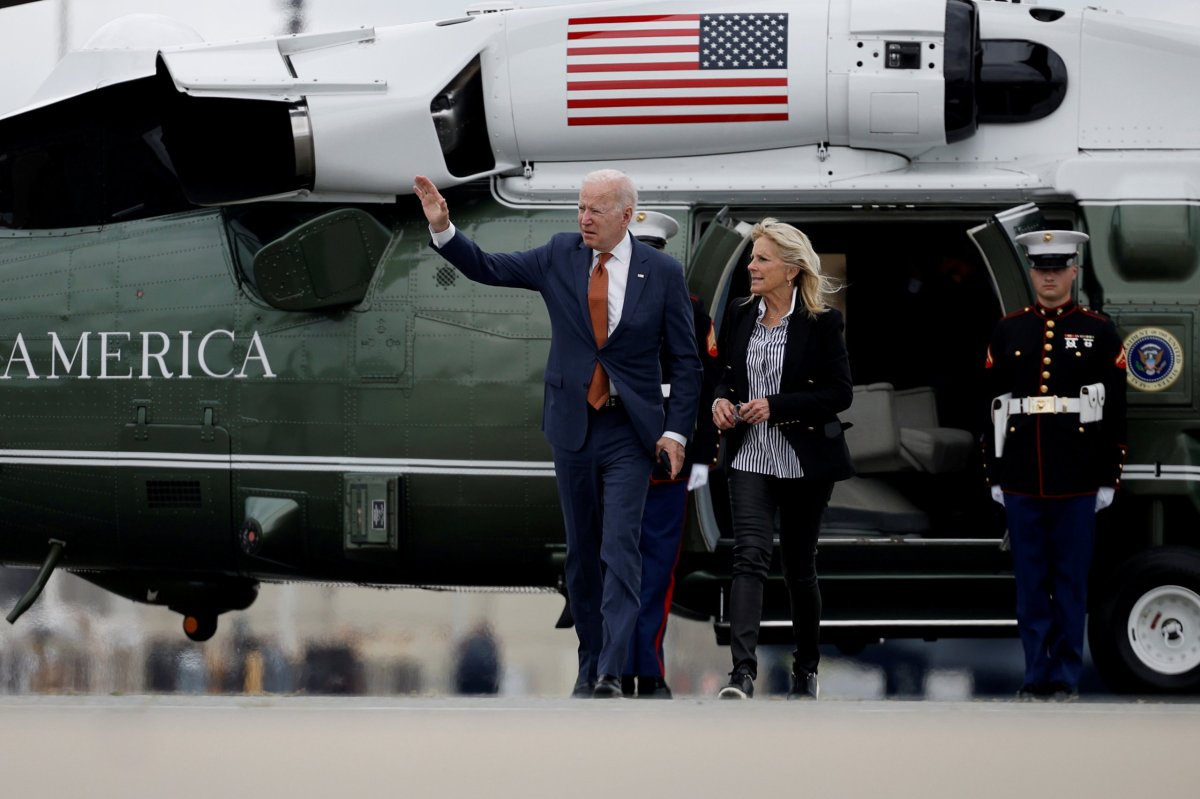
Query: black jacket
815	386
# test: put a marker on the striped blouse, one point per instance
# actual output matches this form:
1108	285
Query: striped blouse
765	450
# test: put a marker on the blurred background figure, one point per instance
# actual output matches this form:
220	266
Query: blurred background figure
477	669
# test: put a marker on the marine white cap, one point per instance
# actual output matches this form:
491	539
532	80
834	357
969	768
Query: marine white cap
653	228
1051	249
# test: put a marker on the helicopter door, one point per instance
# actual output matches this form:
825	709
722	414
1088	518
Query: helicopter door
713	260
1005	259
174	497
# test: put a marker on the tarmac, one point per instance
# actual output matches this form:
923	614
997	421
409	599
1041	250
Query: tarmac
182	747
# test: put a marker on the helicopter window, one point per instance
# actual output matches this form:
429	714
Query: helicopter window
1019	81
90	160
1155	242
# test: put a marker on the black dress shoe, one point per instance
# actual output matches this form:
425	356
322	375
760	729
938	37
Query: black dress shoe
628	685
583	689
607	687
653	688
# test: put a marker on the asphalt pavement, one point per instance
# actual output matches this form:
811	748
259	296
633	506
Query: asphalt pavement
180	747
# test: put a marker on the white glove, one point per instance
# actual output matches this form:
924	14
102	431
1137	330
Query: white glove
1104	498
998	495
698	477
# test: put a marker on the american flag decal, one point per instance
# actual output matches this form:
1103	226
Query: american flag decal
659	69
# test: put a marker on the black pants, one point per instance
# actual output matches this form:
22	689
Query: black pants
757	500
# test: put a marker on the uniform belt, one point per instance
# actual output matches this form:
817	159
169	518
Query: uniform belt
1036	405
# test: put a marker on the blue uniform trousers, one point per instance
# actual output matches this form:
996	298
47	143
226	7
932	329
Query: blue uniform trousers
662	533
602	488
1052	542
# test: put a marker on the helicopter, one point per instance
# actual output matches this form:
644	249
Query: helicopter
228	355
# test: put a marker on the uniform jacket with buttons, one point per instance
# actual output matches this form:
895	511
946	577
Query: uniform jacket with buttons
814	387
1040	352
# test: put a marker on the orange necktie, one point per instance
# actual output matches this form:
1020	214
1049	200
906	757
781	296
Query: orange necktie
598	306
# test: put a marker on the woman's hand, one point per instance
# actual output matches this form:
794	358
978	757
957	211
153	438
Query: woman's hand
755	411
723	415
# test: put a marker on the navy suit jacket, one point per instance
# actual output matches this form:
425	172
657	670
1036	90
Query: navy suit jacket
656	318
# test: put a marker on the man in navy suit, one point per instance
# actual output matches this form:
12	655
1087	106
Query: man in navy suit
615	304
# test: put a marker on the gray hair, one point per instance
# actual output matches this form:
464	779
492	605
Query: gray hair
623	188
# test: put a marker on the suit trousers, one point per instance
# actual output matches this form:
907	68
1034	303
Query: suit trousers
1052	542
602	489
757	500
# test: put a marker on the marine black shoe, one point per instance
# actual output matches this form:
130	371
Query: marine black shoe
1061	692
804	686
1031	693
652	688
741	685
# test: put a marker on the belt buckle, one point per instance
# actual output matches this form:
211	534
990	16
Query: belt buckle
1043	405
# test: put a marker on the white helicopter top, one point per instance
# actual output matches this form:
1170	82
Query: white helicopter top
731	98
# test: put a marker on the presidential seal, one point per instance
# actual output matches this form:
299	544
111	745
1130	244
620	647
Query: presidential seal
1154	359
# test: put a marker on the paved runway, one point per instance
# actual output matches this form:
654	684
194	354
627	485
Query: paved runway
309	747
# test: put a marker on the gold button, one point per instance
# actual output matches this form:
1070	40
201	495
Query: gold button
1050	324
1017	353
1048	347
1049	334
1046	361
1044	389
1118	481
1045	375
1078	354
1060	311
1081	429
1012	429
810	429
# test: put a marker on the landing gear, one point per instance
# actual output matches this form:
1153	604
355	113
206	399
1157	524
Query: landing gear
1145	634
199	626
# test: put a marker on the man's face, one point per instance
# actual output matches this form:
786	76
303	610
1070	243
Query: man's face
1053	286
602	220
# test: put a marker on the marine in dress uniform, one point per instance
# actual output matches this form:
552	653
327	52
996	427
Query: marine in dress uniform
666	502
1057	375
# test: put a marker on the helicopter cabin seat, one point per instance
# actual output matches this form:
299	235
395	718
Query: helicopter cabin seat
865	504
926	446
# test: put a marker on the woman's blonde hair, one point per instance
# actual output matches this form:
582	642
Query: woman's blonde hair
796	250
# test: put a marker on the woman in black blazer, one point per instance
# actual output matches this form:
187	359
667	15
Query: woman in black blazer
786	377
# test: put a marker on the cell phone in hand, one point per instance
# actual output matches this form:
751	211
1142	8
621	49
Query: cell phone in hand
662	467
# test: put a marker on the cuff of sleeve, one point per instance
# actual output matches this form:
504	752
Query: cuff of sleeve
440	239
676	437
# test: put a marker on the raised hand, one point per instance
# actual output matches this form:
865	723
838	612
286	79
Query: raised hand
432	203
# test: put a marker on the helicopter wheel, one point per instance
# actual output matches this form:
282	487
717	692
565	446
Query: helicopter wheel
199	626
1145	634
